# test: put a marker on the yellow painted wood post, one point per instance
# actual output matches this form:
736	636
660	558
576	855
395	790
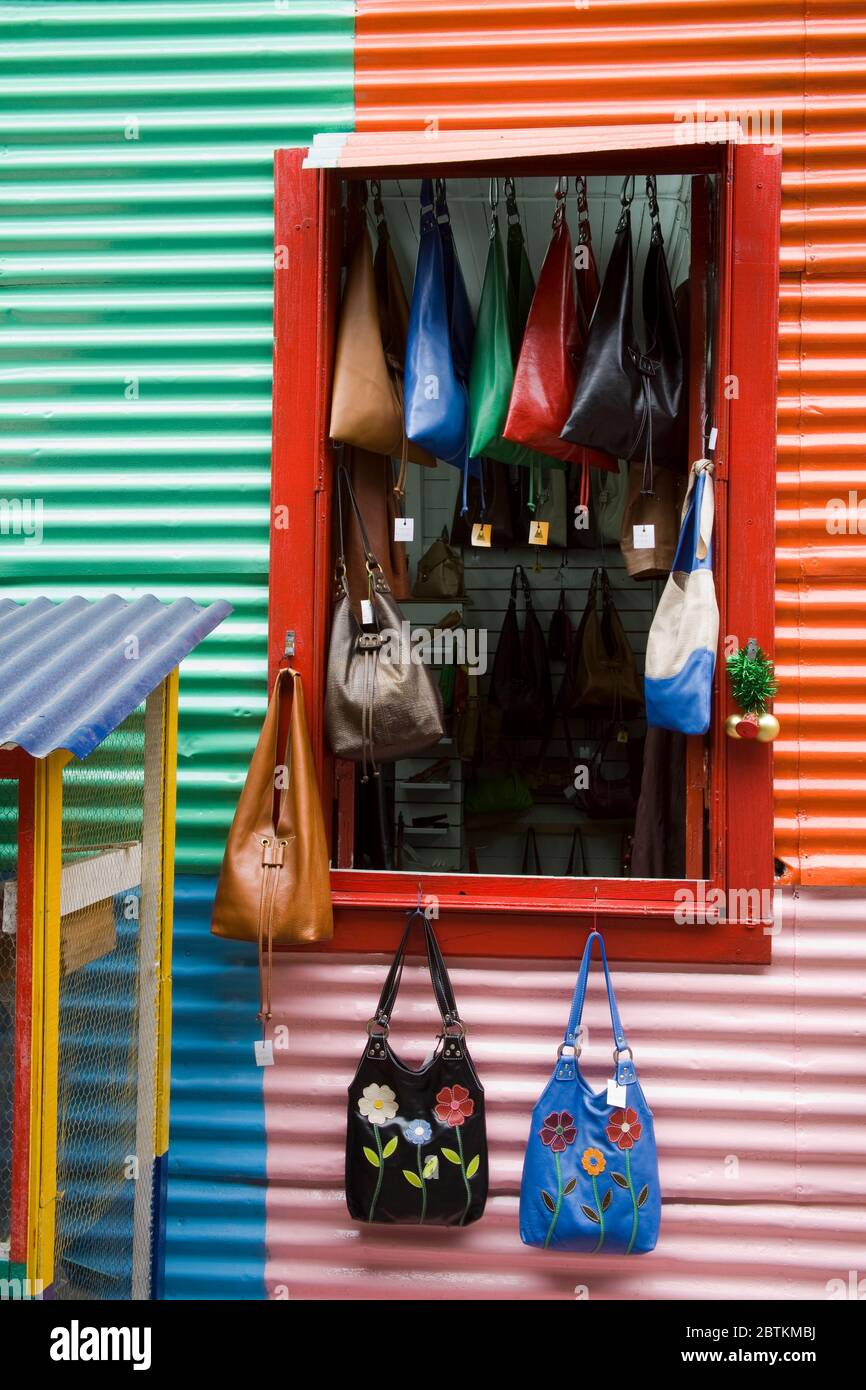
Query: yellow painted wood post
47	838
169	776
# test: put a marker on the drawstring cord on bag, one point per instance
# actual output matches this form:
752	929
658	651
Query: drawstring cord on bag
273	854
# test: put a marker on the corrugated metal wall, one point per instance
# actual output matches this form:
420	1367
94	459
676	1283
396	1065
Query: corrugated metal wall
557	62
136	257
757	1081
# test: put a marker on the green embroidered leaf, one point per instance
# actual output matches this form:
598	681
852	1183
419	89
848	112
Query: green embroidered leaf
548	1201
412	1178
642	1195
607	1199
389	1147
619	1179
451	1156
372	1158
569	1187
589	1213
472	1166
430	1166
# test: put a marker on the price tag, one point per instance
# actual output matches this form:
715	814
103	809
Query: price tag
482	533
264	1053
643	537
367	619
538	532
714	435
404	528
616	1095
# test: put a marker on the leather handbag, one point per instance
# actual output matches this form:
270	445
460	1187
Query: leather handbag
367	392
416	1142
590	1180
544	377
682	642
521	285
491	793
609	494
628	402
601	675
373	481
587	291
560	634
490	499
520	685
274	886
609	798
440	572
379	704
492	373
439	341
657	509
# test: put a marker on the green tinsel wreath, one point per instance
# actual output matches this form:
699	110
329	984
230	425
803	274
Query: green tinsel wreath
753	678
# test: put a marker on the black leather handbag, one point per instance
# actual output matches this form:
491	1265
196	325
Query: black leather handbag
520	685
628	402
416	1143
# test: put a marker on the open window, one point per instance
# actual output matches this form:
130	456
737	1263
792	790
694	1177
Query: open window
509	873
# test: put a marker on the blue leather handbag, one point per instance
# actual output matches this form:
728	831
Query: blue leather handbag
590	1175
439	342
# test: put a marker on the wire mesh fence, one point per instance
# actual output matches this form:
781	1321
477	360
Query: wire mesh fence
108	950
8	939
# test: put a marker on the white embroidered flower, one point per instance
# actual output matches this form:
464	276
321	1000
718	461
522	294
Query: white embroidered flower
378	1104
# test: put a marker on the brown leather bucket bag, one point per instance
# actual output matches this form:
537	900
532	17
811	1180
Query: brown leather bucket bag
274	886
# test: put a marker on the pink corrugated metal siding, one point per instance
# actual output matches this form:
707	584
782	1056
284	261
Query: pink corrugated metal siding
459	64
757	1081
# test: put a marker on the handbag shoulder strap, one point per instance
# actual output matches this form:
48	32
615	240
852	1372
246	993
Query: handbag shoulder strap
520	574
442	990
624	1069
378	574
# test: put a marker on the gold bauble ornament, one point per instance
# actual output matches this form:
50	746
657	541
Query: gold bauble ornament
731	725
768	728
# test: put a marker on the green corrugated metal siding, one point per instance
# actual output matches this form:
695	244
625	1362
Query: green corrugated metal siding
136	196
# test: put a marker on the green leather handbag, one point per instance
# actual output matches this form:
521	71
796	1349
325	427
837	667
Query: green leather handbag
491	374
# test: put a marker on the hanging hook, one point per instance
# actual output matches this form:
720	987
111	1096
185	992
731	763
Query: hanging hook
624	197
560	194
493	194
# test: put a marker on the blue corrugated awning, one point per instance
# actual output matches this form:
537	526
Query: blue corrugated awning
71	672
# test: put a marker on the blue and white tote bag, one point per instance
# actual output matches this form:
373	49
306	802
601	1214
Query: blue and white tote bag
681	648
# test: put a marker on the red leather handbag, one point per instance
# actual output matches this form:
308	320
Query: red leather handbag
545	375
544	378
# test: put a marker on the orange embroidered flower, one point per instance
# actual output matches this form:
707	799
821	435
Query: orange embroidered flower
593	1162
453	1105
624	1128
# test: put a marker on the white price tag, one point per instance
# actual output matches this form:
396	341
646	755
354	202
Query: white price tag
615	1094
404	528
366	613
264	1053
643	537
711	444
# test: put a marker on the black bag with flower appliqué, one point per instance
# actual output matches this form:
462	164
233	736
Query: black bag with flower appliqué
416	1143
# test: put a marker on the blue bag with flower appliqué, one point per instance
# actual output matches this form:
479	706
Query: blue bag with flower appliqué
590	1175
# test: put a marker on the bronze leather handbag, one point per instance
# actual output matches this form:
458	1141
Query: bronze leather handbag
659	509
274	886
380	704
372	478
601	675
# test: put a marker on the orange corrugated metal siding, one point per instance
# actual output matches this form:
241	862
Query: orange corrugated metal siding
557	62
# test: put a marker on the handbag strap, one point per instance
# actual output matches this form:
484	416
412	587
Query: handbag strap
439	976
531	842
652	201
576	840
576	1014
520	573
372	563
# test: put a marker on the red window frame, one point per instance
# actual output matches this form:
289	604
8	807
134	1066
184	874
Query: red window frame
484	915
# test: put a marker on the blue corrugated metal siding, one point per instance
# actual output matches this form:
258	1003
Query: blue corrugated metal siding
215	1237
136	254
70	675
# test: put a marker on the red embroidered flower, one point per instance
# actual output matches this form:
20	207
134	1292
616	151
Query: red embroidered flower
453	1105
624	1128
558	1130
